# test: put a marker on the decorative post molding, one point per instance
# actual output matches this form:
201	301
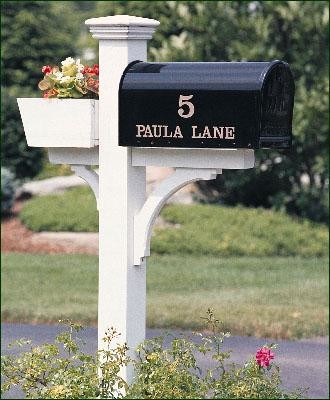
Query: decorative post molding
122	27
122	287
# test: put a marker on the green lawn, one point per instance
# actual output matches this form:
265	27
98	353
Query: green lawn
195	229
274	297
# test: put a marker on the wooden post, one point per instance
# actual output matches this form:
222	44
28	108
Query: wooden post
122	286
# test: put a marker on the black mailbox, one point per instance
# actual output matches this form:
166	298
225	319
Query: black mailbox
206	105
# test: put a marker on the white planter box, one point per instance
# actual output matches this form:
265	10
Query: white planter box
60	122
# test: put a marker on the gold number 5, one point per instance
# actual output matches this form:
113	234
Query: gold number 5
183	101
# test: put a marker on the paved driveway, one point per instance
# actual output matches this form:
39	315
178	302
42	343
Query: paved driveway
304	363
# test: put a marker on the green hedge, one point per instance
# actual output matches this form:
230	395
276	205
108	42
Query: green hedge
73	211
225	231
196	229
23	161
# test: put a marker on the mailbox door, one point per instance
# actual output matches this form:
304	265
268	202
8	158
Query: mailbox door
277	107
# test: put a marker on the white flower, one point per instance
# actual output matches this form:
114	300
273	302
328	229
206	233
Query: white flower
79	76
80	67
59	75
67	62
65	79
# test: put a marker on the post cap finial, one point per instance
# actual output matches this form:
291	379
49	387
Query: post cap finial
122	27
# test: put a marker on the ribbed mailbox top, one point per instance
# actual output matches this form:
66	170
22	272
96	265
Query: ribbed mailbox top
201	75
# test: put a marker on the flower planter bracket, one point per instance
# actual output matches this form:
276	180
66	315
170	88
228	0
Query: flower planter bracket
90	176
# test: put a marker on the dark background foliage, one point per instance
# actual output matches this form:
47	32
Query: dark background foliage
35	33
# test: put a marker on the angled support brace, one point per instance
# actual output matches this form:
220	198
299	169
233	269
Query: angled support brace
147	215
90	176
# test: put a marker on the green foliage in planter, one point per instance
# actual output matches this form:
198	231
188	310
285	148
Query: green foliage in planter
160	372
7	190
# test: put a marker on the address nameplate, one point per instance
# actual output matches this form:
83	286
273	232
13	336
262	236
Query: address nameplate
162	123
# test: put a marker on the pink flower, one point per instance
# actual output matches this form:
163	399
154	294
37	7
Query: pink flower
46	69
263	356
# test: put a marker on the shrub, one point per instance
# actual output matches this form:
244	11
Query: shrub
22	160
7	190
197	229
59	212
160	372
239	231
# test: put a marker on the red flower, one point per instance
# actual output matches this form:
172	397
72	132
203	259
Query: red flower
46	69
96	69
263	356
90	70
50	93
87	70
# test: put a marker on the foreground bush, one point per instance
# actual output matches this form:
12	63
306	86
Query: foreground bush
7	190
160	372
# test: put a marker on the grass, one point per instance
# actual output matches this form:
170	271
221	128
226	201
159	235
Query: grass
53	170
195	230
273	297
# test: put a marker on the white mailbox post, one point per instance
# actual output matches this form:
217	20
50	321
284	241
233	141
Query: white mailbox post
122	287
125	216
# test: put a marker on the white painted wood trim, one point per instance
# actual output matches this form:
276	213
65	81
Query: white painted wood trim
143	157
74	155
90	176
60	122
121	27
146	217
193	158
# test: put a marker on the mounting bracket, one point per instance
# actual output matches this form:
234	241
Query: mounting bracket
146	217
90	176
